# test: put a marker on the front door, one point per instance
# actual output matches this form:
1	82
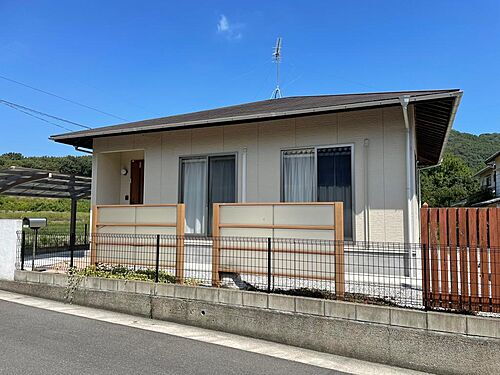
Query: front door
137	182
206	180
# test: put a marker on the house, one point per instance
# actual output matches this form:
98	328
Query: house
362	149
489	179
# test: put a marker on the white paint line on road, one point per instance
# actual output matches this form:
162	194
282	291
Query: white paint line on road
291	353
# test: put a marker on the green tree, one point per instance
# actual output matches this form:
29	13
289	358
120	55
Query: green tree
449	183
79	165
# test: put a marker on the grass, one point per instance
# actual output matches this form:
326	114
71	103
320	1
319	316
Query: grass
120	272
126	273
57	221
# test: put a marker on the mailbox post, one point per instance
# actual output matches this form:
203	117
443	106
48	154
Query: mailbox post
34	223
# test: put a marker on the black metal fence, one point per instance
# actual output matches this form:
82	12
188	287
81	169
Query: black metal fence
378	273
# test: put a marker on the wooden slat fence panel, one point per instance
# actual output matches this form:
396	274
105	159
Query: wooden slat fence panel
291	230
461	258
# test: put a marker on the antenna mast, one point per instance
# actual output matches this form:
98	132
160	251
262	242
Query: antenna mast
277	59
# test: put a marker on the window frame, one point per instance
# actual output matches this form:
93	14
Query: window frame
206	157
315	182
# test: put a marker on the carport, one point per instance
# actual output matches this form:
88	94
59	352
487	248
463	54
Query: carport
37	183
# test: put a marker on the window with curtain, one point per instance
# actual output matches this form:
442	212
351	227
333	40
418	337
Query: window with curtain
322	175
298	175
206	180
194	194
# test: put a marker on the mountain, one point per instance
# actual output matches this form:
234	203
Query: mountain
473	149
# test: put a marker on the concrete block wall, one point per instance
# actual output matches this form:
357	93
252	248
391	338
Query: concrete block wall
8	246
426	341
432	321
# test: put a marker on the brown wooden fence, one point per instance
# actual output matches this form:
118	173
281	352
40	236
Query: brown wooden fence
461	258
311	224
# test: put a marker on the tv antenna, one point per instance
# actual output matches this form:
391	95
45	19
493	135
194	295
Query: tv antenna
277	59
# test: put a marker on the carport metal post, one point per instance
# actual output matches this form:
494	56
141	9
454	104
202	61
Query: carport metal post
72	230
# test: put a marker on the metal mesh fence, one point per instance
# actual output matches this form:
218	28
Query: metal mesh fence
397	274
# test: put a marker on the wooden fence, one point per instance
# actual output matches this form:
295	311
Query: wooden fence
461	258
309	224
132	221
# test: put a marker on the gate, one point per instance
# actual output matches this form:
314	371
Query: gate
461	258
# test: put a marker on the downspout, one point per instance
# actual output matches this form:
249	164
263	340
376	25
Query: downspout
366	143
244	175
405	100
78	148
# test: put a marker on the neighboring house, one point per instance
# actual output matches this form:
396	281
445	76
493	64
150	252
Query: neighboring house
489	178
362	149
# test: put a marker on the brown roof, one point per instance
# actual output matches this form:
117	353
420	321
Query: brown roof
492	157
273	109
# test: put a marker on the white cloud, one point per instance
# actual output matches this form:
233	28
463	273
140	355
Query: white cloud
223	24
229	30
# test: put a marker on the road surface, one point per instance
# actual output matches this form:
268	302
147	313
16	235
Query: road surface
38	341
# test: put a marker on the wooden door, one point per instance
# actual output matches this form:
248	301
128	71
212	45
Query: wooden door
137	182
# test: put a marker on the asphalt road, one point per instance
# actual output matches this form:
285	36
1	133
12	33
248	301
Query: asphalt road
37	341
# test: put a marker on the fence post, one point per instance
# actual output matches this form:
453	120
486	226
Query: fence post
424	238
33	254
269	266
179	242
93	234
339	250
215	246
157	268
72	230
85	233
23	248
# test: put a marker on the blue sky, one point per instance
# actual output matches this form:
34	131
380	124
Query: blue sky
144	59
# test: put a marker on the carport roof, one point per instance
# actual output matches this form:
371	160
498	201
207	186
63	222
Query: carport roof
28	182
434	115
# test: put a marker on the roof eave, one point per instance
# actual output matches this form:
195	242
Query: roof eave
458	99
66	138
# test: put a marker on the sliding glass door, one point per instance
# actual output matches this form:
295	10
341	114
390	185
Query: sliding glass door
298	175
321	174
206	180
335	180
194	194
221	182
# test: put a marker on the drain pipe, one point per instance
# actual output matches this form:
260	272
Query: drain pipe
81	149
405	100
244	176
366	143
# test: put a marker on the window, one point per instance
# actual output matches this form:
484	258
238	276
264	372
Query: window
321	174
298	176
206	180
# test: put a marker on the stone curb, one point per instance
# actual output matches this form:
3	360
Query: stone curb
392	316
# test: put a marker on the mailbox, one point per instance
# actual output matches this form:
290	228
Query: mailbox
35	222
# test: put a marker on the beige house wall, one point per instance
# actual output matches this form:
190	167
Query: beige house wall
383	191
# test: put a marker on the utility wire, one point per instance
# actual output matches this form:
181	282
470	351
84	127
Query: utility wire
30	111
62	98
37	117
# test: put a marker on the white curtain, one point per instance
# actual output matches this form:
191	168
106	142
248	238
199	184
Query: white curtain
195	194
298	176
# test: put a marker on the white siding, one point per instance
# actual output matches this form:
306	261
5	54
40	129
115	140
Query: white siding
384	128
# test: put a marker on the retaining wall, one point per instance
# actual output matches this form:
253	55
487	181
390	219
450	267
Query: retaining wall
427	341
8	245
